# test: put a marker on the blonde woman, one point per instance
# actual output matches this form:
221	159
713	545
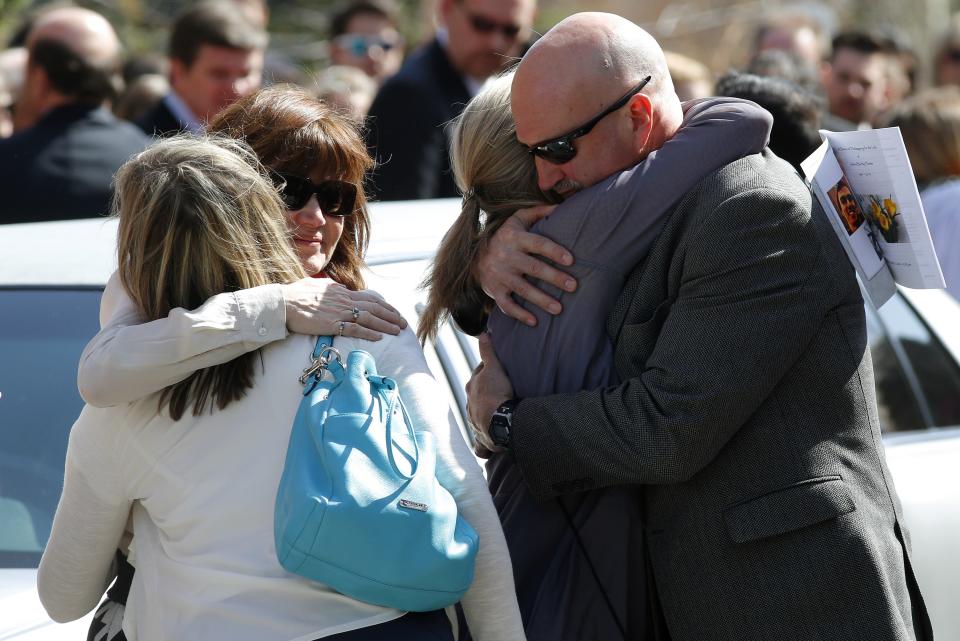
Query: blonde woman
577	567
197	464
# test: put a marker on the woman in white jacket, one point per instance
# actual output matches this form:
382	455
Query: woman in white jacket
197	462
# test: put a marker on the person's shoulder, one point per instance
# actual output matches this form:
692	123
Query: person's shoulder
756	173
102	134
419	71
123	129
390	352
941	198
106	427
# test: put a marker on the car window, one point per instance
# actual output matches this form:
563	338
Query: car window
44	332
897	403
934	374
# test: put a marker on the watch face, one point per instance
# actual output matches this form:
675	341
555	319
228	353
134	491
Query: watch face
500	431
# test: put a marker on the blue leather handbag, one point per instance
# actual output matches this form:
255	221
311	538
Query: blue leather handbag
359	507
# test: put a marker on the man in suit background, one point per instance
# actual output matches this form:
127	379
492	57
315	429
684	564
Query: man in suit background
746	415
61	164
406	135
216	57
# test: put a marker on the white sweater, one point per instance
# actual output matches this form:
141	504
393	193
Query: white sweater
201	490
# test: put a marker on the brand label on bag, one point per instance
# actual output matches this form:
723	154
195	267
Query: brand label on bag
413	505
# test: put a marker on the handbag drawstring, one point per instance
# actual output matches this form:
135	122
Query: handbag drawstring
391	412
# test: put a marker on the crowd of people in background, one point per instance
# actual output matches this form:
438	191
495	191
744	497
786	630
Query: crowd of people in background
70	97
698	439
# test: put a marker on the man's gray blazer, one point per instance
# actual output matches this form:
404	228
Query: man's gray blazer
748	415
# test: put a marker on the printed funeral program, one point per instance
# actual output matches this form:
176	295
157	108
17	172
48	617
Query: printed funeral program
865	184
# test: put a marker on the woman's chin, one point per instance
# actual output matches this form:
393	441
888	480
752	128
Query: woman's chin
313	262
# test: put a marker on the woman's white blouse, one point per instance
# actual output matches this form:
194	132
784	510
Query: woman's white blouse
201	491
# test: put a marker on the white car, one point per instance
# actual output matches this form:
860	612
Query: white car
52	273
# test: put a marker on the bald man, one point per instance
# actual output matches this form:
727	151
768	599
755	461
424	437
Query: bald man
746	420
61	161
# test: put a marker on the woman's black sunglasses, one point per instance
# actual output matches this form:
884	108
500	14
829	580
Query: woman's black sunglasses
560	150
335	197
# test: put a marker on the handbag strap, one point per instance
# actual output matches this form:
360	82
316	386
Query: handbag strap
322	342
319	361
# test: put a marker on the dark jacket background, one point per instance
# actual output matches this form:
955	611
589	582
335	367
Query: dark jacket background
63	166
160	121
406	127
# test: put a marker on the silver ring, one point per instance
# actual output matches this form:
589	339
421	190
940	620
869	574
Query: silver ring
342	324
356	314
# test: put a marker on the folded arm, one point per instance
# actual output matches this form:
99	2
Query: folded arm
130	359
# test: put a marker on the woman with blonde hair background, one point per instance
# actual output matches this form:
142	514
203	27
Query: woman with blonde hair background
930	125
200	475
578	571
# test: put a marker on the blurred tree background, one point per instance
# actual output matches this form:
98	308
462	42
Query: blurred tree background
717	32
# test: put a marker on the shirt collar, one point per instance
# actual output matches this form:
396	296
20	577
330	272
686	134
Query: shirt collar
183	113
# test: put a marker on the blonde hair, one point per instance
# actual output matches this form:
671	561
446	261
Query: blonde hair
198	217
930	125
496	176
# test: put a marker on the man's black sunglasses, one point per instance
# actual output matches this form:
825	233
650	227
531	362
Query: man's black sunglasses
560	150
335	197
484	25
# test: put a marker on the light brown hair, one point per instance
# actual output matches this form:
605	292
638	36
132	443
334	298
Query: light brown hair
199	217
496	175
930	125
294	132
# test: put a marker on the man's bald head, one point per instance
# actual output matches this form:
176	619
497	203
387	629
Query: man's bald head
574	72
588	55
73	55
84	33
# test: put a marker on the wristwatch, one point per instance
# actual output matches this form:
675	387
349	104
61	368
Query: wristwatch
501	423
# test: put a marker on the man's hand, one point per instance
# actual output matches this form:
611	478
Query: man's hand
507	257
316	306
486	390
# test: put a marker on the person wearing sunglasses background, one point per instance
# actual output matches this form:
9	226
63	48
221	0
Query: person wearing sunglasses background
745	421
407	132
365	34
317	161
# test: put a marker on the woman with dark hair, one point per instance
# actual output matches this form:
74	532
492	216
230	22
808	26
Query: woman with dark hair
197	465
295	134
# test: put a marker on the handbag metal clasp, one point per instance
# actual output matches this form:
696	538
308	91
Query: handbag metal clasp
320	362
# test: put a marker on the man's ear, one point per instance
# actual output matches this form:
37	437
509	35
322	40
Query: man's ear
443	11
178	69
641	111
37	79
826	72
